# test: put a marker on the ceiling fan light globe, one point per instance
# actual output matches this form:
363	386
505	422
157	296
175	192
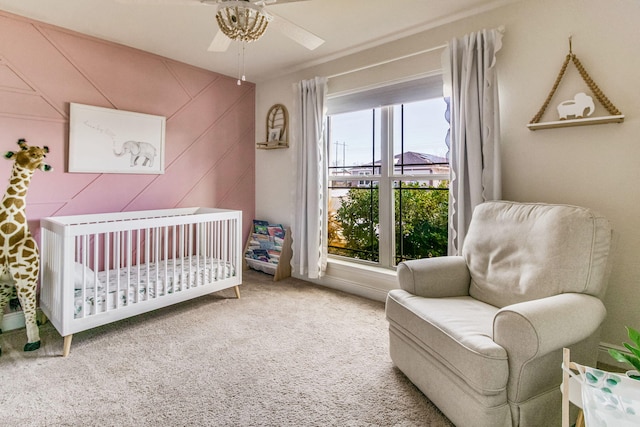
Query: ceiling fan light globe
242	22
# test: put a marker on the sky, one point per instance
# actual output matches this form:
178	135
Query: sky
425	132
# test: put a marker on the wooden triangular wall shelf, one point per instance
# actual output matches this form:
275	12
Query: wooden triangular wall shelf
615	115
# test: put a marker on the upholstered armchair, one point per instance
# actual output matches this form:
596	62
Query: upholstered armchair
481	334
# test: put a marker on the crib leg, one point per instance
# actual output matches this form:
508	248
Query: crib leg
66	348
237	289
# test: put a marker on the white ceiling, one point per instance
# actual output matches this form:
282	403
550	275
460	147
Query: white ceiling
183	32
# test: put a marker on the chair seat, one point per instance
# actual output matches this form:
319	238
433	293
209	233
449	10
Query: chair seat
456	331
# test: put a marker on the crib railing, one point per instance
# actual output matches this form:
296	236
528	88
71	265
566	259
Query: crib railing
97	264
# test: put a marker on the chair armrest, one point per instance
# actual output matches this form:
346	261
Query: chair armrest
438	277
532	329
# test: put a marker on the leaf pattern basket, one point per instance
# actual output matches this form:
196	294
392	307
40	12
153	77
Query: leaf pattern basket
608	399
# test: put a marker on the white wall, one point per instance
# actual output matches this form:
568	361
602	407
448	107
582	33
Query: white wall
592	166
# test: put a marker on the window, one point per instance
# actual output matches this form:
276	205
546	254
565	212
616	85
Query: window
401	210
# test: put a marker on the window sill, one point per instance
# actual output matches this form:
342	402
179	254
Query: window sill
364	280
345	265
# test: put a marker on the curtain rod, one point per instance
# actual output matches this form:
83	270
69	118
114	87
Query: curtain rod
500	29
377	64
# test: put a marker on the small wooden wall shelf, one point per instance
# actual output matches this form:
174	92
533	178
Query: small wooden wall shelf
577	122
277	129
582	104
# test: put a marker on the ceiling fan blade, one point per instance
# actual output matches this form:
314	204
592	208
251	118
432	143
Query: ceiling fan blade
220	43
294	32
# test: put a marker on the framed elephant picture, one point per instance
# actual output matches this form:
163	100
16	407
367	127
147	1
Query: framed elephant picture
105	140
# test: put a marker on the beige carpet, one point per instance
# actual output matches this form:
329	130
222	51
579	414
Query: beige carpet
286	354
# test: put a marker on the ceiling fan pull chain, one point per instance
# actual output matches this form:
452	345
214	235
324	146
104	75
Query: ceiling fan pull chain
241	75
239	82
244	45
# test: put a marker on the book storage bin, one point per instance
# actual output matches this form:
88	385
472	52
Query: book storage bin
268	249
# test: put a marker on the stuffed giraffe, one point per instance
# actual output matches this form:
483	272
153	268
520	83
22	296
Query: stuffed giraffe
19	258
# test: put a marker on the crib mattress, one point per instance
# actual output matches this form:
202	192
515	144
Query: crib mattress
131	285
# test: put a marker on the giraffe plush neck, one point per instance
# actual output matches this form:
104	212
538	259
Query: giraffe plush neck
19	258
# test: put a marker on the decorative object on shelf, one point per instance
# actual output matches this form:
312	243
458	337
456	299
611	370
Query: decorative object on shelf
268	249
274	135
575	108
277	128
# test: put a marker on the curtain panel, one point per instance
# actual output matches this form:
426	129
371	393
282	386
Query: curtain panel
310	223
470	76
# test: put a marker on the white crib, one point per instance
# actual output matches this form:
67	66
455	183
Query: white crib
100	268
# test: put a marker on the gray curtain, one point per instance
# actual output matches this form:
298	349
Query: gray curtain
475	128
310	224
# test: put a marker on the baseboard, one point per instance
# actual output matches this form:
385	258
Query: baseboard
352	287
11	321
362	280
15	320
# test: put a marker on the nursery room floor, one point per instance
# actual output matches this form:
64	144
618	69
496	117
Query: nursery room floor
287	353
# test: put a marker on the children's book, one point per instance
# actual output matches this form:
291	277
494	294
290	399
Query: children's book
276	230
261	227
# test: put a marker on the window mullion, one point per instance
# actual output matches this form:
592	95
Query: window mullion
387	238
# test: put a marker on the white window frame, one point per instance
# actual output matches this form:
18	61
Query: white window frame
369	100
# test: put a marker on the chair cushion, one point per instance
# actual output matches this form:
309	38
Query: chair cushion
458	332
518	252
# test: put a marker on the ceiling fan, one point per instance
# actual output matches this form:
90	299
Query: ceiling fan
246	20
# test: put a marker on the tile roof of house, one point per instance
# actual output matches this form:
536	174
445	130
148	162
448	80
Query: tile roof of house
410	158
413	158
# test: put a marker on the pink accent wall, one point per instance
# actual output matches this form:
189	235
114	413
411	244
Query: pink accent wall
209	147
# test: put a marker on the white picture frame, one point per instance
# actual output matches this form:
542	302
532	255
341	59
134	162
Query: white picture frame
105	140
274	134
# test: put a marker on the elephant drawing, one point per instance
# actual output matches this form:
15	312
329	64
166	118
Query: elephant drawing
138	149
576	107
